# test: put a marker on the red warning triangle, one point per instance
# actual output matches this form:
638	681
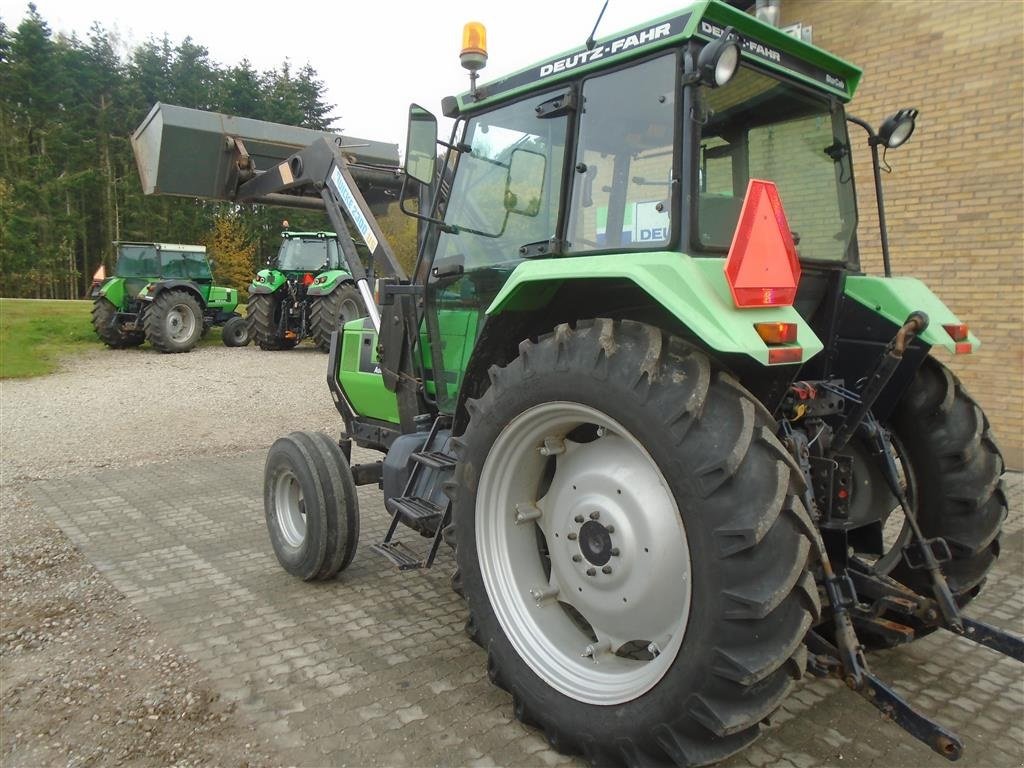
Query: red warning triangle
762	268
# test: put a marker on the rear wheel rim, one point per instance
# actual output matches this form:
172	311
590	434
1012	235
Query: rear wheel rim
349	311
181	323
609	539
290	509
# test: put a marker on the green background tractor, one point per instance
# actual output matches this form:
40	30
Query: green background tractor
163	293
686	451
305	291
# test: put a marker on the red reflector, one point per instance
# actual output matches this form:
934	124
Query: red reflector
957	331
963	348
762	268
307	279
776	333
785	355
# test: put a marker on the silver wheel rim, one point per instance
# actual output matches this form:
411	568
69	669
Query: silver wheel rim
290	509
602	618
349	311
181	323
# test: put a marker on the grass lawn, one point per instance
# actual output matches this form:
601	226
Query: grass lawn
34	334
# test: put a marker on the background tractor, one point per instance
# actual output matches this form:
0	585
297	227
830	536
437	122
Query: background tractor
163	293
305	291
686	451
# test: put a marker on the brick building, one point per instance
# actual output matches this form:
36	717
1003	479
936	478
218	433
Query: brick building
954	200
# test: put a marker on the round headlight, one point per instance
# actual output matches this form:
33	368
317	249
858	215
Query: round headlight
719	59
726	65
897	128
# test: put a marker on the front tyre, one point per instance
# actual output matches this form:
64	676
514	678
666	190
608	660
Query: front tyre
631	547
331	312
311	507
235	332
174	322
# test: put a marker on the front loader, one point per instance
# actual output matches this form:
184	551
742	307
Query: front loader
686	451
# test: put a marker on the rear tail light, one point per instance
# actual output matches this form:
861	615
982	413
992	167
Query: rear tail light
776	333
963	348
785	355
307	279
957	331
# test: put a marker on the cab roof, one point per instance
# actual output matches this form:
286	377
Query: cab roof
703	20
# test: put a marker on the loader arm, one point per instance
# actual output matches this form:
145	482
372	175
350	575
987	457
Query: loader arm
322	168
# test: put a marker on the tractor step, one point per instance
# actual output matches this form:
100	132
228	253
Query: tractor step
435	460
413	508
399	554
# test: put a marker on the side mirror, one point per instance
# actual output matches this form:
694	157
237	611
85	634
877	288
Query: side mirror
524	183
421	145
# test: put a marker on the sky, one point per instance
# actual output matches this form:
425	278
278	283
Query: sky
375	57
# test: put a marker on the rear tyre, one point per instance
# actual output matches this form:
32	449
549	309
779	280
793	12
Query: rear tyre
263	315
174	321
328	313
311	507
953	471
103	322
235	332
654	610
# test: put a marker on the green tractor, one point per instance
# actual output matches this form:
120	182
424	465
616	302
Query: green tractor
685	450
163	293
305	291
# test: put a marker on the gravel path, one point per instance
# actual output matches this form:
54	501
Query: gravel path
84	679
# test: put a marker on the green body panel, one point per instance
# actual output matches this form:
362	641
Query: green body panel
113	290
694	290
272	280
327	281
218	297
711	11
894	298
359	374
458	330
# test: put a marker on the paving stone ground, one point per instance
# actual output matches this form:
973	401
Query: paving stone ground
374	668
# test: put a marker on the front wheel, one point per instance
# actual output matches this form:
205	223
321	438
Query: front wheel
311	507
235	332
631	547
174	322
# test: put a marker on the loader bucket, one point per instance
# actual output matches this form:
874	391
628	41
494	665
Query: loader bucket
191	153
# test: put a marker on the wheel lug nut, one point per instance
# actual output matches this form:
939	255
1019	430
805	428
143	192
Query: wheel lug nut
615	552
571	537
606	569
578	518
594	515
577	558
591	571
610	528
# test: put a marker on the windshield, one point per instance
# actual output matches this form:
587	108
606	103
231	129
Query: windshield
757	127
308	254
137	261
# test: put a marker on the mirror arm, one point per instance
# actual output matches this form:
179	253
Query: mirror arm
416	215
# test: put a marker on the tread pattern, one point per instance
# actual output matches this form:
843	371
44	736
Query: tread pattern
156	326
957	468
103	312
325	313
737	480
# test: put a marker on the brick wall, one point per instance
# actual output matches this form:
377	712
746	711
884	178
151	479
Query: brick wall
954	200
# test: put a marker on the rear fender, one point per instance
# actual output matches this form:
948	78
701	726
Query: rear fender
327	282
154	289
113	290
894	298
692	290
222	298
267	281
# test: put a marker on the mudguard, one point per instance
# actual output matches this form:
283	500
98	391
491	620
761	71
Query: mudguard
151	290
267	281
894	298
113	290
326	282
694	290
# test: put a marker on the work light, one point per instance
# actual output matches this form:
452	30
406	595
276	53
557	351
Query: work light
719	59
897	128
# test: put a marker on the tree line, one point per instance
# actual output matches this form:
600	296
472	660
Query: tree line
68	180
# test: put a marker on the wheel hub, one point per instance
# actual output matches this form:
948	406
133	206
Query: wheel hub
595	543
